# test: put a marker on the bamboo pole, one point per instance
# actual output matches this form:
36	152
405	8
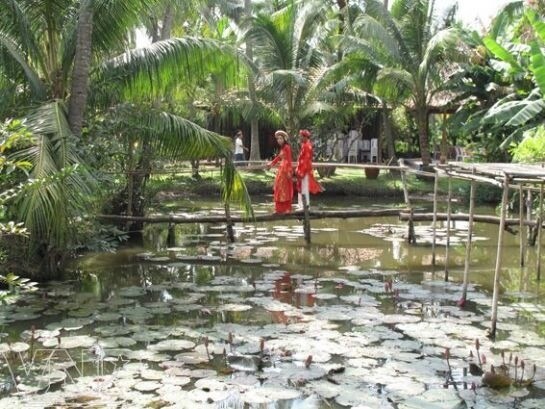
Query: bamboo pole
469	239
411	238
481	218
130	184
306	220
434	223
540	229
528	213
449	209
313	214
495	296
521	224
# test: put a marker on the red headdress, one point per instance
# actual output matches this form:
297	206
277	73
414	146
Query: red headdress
304	133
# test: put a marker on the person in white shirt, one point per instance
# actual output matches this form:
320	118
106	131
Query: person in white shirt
239	147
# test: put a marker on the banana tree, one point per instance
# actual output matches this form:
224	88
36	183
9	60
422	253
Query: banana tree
521	61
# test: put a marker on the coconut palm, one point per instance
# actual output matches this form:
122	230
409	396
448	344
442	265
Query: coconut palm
292	66
406	53
39	44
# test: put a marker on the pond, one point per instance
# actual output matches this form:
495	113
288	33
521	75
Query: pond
358	319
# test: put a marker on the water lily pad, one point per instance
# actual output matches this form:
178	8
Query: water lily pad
132	292
202	373
235	307
143	355
146	386
76	341
24	316
108	316
149	335
51	378
264	395
172	345
176	380
434	399
70	324
325	296
19	347
356	397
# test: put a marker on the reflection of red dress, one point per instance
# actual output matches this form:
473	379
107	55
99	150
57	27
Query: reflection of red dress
304	167
283	184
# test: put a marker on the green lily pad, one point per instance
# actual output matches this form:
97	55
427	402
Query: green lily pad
172	345
434	399
146	386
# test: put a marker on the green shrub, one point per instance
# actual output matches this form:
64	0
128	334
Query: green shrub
532	147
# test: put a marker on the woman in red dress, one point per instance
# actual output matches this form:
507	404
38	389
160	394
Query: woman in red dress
283	182
306	183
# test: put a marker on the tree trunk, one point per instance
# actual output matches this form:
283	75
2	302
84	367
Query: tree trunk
168	20
388	134
342	6
82	64
423	138
255	149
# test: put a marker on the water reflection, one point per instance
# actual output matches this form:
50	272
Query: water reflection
292	291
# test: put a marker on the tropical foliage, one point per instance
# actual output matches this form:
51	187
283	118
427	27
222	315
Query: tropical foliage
406	54
39	52
101	112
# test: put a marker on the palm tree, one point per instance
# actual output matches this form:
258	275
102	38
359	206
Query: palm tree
406	53
39	43
291	65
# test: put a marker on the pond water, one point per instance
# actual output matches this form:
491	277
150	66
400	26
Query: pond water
358	319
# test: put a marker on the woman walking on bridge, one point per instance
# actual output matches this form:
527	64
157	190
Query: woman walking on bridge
306	183
283	182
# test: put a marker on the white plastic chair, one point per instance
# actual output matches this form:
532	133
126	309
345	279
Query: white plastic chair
374	150
461	154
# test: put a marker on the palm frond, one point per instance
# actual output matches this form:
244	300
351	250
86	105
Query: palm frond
36	84
443	42
112	18
174	137
60	182
397	78
368	30
376	9
149	72
17	24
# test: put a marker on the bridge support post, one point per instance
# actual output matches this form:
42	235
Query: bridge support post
469	237
501	231
434	222
539	229
521	224
306	220
449	213
411	236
